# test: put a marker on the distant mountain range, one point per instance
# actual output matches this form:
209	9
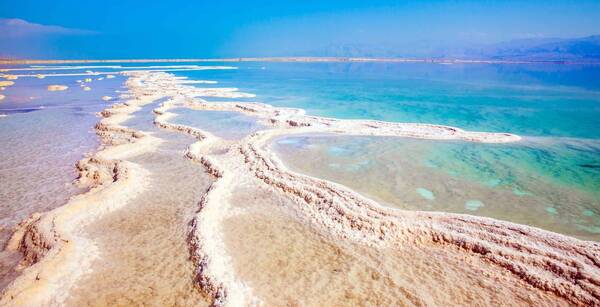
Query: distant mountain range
552	49
585	49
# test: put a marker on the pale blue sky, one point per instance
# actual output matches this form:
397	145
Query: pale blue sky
171	29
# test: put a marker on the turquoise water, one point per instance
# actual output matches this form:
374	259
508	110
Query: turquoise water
542	184
227	125
534	100
554	174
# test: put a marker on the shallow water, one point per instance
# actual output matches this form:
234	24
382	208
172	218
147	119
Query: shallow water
144	257
286	262
532	99
42	137
550	182
226	125
538	182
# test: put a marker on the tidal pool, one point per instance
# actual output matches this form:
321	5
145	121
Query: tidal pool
224	124
542	182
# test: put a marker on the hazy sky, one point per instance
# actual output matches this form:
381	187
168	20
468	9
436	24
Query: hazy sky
176	29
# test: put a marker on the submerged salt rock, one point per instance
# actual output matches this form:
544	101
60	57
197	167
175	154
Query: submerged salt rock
87	88
10	77
2	97
54	88
88	80
109	76
40	76
106	98
427	194
6	83
474	205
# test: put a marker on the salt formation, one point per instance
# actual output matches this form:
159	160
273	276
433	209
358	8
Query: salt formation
54	88
525	265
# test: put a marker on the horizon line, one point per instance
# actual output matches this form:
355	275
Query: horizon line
292	59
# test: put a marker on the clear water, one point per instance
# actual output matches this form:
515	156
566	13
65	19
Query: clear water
549	180
227	125
286	262
144	256
533	100
42	136
555	107
550	184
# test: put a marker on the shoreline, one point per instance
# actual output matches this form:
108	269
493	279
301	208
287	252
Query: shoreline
547	261
360	219
55	253
299	59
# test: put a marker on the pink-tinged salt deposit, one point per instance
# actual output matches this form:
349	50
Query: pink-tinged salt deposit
56	88
263	234
347	216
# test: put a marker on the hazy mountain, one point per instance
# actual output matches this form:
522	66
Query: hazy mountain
537	49
553	49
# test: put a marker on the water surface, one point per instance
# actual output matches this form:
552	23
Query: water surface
224	124
552	184
526	99
42	135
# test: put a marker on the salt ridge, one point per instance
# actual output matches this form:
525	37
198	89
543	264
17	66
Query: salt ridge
551	262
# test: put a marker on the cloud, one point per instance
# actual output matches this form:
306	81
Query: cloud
15	28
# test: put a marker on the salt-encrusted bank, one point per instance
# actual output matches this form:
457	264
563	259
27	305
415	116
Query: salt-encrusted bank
548	262
524	264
